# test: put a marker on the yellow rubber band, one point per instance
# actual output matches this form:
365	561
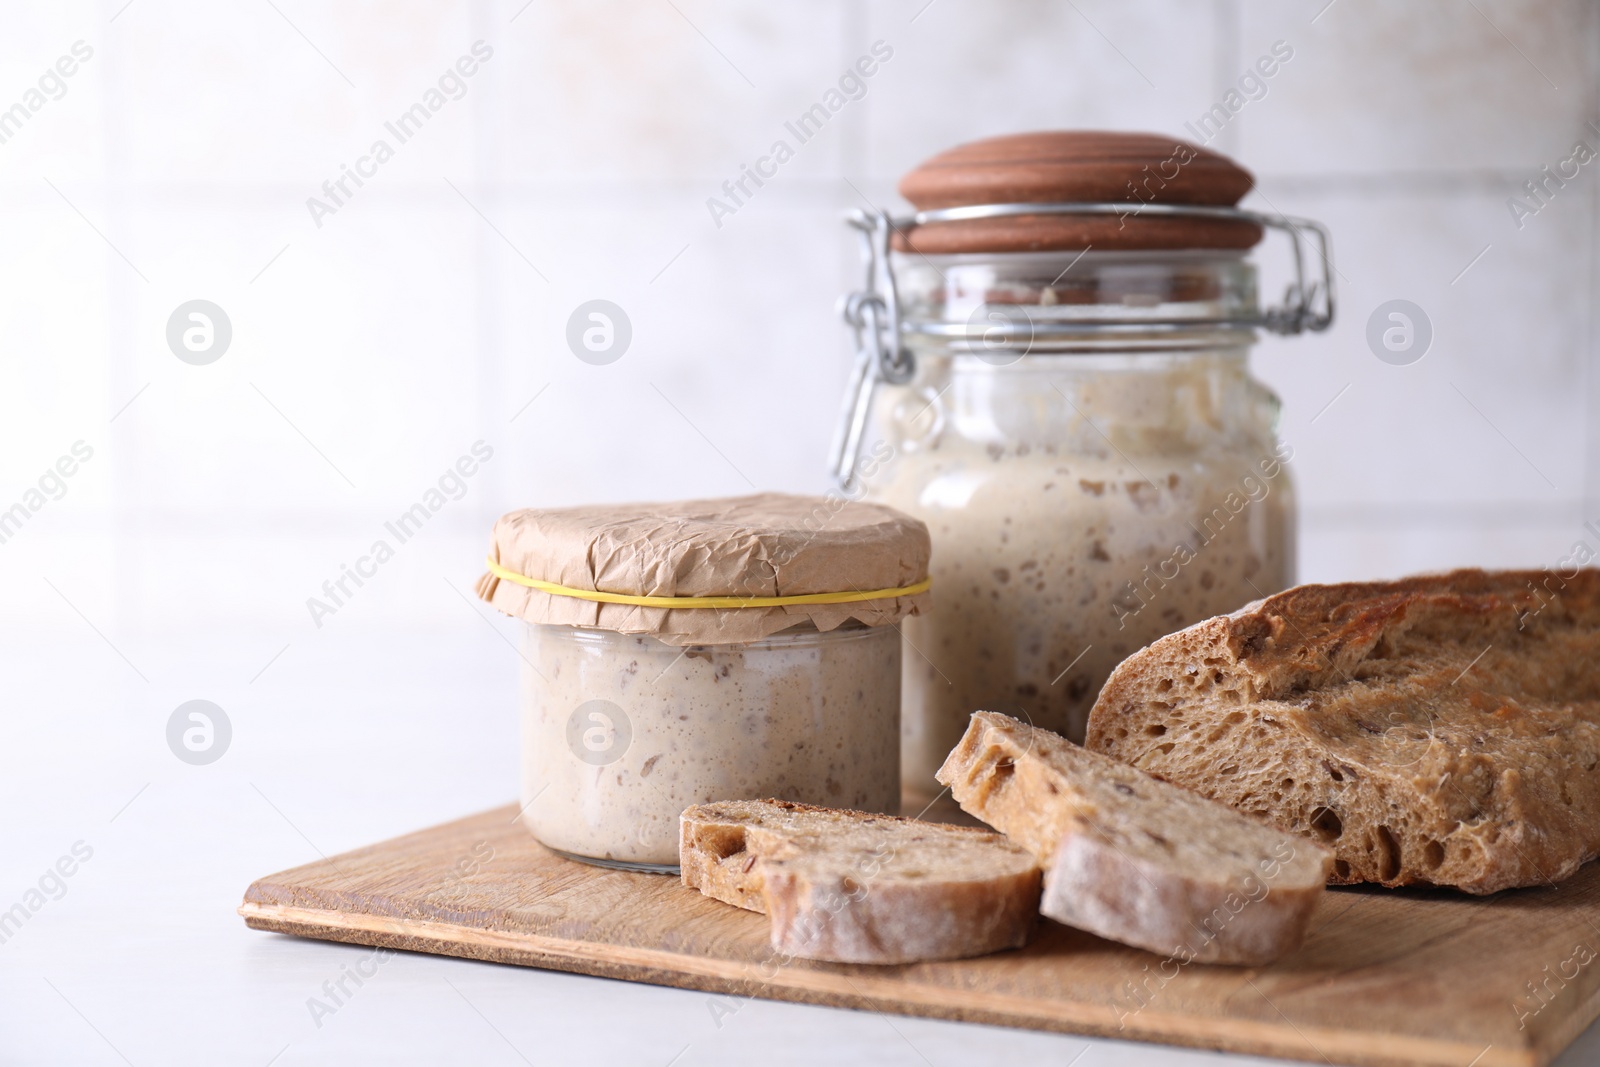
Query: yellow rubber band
706	601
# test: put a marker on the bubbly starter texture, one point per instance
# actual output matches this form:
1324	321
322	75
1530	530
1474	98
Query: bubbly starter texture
622	732
1080	507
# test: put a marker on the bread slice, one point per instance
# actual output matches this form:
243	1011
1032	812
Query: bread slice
1442	729
850	887
1134	859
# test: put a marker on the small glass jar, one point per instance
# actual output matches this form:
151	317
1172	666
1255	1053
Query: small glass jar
684	653
621	732
1081	434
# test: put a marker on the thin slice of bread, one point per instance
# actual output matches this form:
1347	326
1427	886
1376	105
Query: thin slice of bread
1134	859
1442	729
850	887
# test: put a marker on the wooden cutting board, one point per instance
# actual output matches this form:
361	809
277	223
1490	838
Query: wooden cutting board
1386	977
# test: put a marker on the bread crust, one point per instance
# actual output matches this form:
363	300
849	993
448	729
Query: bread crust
1134	859
852	887
1443	729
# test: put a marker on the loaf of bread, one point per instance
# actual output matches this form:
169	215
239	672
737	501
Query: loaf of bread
1134	859
1442	729
850	887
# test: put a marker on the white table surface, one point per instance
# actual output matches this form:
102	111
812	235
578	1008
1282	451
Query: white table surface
340	743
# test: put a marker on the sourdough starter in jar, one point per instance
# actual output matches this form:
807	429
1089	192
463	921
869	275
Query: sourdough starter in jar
621	732
685	652
1080	507
1051	373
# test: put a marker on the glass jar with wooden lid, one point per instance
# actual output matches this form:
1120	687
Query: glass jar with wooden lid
1052	373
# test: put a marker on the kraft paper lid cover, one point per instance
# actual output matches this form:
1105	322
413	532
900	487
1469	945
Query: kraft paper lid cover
769	544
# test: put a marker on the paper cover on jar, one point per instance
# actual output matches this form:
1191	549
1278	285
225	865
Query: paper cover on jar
765	545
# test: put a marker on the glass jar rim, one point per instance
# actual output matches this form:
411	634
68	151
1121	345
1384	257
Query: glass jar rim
1041	303
1131	255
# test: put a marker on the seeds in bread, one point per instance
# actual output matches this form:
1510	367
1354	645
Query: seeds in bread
1442	729
850	887
1134	859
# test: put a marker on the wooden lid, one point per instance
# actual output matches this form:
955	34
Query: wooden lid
1077	166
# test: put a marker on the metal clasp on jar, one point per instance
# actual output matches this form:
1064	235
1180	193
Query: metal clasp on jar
874	314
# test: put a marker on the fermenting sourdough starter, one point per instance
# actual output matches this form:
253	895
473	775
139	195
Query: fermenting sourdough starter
621	732
1068	533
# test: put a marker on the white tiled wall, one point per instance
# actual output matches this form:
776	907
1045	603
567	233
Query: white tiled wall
429	313
425	313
